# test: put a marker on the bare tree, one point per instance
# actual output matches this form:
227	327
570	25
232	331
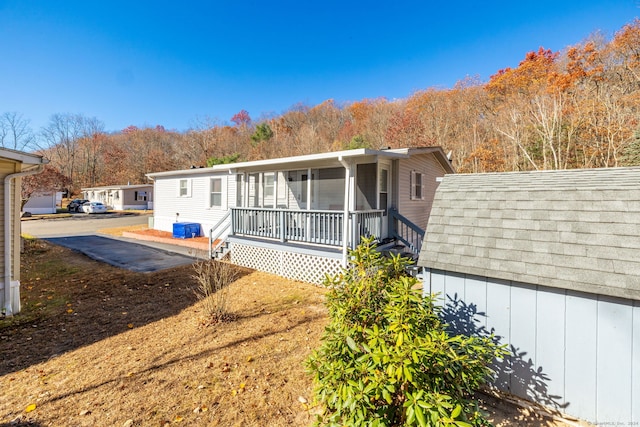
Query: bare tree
15	132
63	136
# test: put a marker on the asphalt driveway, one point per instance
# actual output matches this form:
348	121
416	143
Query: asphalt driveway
123	254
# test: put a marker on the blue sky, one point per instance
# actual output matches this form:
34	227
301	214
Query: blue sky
171	63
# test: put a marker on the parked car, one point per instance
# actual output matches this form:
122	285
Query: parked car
76	205
94	207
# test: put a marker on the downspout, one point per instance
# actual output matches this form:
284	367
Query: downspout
345	220
8	236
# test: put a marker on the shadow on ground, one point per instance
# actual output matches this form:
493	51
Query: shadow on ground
70	301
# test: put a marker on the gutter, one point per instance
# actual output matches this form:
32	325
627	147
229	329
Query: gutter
8	236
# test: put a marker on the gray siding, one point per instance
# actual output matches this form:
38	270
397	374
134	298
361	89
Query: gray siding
571	351
417	211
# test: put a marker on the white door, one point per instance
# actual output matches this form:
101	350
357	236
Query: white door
384	196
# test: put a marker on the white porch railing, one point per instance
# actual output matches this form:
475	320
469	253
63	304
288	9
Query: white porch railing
316	227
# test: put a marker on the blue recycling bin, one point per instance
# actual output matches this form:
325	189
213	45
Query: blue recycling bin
186	230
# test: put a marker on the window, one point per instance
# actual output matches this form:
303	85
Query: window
185	191
417	180
216	192
140	196
268	185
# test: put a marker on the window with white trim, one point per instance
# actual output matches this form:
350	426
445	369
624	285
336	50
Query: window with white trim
417	182
140	196
215	199
184	188
268	185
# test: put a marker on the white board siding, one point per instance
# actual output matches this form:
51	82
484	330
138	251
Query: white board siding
574	352
41	204
417	211
170	207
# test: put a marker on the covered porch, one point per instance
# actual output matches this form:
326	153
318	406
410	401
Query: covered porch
324	201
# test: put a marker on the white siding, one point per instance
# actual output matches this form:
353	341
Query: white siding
41	204
170	207
417	211
571	351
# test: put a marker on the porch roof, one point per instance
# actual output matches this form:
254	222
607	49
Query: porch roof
331	159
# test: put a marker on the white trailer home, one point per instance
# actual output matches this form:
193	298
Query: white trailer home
298	216
122	197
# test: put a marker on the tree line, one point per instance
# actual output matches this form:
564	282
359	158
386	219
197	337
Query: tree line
577	108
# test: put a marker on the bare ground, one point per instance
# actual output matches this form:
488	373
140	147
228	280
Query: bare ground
99	346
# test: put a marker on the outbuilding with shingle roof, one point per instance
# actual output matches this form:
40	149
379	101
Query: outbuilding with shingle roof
550	261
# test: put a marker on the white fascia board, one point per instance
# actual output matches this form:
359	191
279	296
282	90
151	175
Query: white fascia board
21	156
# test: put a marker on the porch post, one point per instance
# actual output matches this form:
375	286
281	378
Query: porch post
347	205
245	190
309	198
275	189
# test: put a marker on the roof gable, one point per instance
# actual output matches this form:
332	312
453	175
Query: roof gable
577	229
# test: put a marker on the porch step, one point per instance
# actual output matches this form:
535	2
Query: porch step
398	249
222	251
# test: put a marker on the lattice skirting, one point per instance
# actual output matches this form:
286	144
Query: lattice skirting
297	266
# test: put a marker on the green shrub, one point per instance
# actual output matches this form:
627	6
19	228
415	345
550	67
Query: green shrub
385	357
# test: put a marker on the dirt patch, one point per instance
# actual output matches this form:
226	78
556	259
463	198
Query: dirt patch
97	345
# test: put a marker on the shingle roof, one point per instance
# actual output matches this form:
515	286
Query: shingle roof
577	229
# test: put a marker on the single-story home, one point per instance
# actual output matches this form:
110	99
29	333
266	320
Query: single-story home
43	203
298	216
122	197
13	166
549	262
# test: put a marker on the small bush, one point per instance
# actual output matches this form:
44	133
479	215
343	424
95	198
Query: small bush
385	357
213	279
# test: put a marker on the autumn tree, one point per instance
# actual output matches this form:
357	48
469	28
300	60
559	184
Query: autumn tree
142	151
241	118
366	124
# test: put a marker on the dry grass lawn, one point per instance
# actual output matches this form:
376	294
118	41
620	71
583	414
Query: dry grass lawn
100	346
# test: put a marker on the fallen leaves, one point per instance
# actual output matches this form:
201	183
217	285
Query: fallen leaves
199	409
31	407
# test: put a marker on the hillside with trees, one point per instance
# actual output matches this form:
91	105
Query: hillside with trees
578	108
